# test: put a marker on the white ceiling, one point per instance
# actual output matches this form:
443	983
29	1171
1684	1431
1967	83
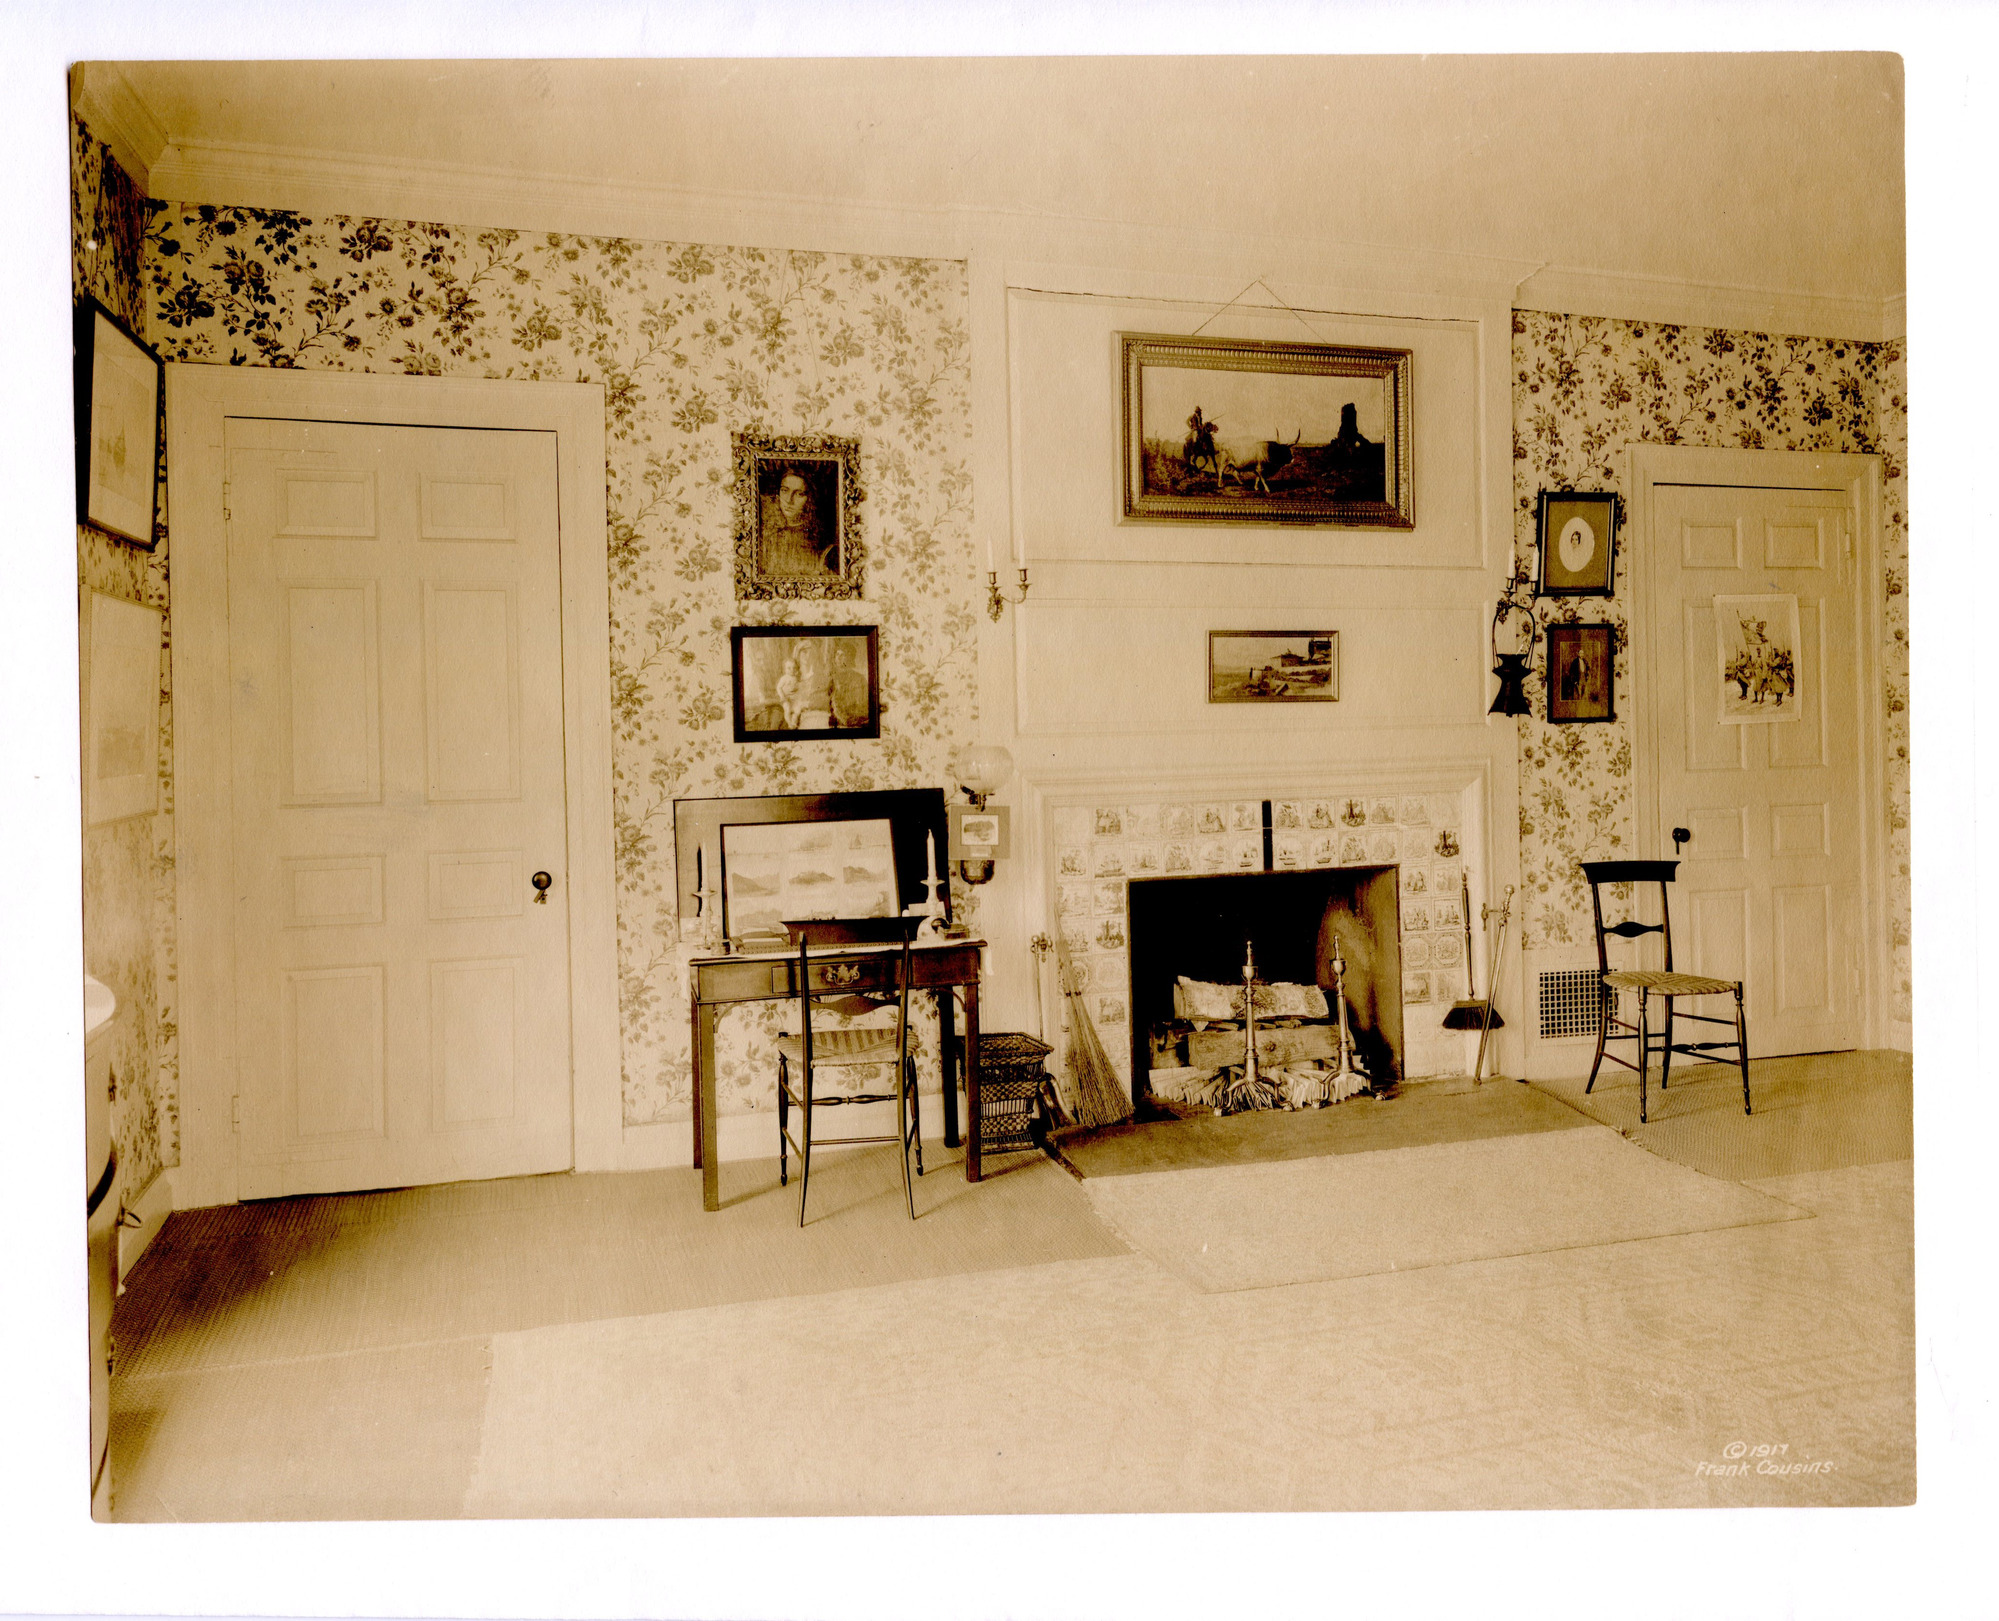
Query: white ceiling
1777	173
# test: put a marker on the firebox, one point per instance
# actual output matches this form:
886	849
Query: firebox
1200	929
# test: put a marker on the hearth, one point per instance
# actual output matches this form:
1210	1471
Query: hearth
1190	938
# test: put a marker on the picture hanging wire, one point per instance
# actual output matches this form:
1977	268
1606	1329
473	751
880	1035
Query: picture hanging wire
1281	304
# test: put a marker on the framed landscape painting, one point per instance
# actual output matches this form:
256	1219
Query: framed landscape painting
1232	431
1273	666
117	426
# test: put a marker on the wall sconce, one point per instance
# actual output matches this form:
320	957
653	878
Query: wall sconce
1512	643
996	598
978	835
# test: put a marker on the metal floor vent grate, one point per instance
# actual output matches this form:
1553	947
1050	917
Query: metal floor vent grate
1572	1001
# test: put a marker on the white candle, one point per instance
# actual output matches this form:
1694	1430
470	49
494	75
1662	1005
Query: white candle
930	857
697	869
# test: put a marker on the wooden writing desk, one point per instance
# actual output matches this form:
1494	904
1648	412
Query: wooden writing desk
940	967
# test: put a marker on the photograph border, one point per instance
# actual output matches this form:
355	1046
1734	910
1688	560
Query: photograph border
740	634
749	447
1137	350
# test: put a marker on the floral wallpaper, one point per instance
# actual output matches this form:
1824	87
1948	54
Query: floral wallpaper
128	872
1582	388
690	343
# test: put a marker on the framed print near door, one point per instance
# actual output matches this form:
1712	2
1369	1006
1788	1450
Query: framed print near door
121	775
1581	673
117	426
1578	543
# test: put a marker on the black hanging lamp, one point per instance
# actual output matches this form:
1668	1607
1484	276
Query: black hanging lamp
1512	646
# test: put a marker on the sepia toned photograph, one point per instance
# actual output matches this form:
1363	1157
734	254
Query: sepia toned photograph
568	1061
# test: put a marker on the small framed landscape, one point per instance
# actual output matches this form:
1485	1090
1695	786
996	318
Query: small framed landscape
1273	666
117	427
805	682
1756	640
122	642
1581	673
1578	543
798	527
1234	431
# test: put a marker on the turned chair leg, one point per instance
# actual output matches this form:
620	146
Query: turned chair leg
805	1144
1742	1047
902	1144
1644	1052
1606	1010
1666	1055
915	1114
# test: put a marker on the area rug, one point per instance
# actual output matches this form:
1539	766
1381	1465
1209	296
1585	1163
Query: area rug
1354	1215
1423	1113
1821	1112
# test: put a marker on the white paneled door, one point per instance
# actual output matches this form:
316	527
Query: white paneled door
395	668
1769	888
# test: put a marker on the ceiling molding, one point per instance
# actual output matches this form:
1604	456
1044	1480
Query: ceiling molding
114	113
1665	301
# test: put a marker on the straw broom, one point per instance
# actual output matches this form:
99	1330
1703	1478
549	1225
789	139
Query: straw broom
1094	1096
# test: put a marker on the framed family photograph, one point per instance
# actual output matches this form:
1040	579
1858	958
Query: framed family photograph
1273	666
798	528
118	383
1756	640
1233	431
1581	672
1578	543
802	682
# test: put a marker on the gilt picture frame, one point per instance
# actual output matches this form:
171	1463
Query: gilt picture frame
118	386
797	516
1231	431
805	683
1273	666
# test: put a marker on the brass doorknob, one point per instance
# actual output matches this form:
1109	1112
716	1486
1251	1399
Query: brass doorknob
541	881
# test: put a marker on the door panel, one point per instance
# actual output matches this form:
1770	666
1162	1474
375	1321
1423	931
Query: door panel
396	726
1769	884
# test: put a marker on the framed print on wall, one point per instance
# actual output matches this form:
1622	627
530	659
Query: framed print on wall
805	682
1273	666
117	426
798	526
1233	431
1581	673
121	742
1578	543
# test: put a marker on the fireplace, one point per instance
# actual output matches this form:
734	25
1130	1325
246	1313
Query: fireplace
1202	929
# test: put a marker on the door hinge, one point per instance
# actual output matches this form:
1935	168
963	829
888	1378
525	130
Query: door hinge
227	516
236	1112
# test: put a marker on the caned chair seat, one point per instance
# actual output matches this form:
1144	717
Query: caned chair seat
842	1047
1663	982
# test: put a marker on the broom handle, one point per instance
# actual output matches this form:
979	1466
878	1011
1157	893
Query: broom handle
1485	1029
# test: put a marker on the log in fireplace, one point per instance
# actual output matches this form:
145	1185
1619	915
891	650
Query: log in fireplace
1200	928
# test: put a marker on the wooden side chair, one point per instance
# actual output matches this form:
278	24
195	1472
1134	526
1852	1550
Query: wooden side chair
847	983
1664	983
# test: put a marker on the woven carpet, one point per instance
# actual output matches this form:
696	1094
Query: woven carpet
290	1278
1423	1113
1820	1112
1355	1215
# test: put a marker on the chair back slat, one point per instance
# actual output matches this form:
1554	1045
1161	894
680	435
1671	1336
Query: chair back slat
1599	873
1631	931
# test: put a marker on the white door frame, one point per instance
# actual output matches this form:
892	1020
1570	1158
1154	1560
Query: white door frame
199	400
1859	479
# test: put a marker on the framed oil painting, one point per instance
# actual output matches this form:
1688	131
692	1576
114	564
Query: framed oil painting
121	764
1756	643
1273	666
805	682
1578	543
798	527
1581	673
117	426
1232	431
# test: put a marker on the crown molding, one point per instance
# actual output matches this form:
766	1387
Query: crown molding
113	112
1663	300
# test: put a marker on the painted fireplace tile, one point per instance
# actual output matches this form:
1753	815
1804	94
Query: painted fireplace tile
1212	818
1178	821
1415	919
1446	950
1415	811
1415	881
1286	815
1322	852
1382	811
1109	935
1110	896
1248	855
1148	860
1109	861
1143	821
1416	951
1107	822
1072	862
1353	850
1110	1010
1415	988
1179	859
1320	815
1214	856
1246	816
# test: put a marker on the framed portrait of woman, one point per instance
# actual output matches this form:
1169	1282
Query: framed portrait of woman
798	532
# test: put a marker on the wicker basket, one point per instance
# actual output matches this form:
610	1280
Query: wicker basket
1012	1114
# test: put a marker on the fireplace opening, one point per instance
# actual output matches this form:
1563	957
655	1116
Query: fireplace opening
1200	930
